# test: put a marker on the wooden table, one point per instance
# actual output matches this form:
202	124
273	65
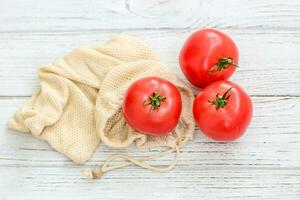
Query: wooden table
264	164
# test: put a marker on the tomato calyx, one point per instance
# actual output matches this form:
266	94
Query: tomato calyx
155	101
221	101
223	63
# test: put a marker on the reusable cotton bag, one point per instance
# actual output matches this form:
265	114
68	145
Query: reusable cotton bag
79	104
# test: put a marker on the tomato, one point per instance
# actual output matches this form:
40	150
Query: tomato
207	56
152	106
223	111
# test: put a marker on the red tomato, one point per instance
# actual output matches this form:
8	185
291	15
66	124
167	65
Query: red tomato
207	56
152	106
223	111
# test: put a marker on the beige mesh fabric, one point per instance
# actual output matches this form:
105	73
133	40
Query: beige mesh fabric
79	103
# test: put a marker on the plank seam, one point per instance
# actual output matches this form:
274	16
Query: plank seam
258	28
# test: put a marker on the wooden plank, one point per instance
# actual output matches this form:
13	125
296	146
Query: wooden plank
272	141
269	62
31	15
183	183
266	159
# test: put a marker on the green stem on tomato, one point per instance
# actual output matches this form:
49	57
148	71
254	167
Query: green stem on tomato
221	101
223	63
155	101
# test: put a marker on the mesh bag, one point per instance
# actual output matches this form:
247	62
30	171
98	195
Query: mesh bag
79	103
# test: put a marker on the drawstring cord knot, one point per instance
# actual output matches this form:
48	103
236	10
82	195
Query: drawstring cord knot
96	173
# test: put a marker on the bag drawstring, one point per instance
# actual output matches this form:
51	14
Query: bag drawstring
106	167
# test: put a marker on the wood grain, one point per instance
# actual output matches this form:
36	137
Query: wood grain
269	62
187	182
266	159
272	140
263	164
67	15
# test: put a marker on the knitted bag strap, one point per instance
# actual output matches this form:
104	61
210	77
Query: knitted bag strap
141	162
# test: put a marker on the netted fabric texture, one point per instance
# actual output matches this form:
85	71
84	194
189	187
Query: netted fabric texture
79	102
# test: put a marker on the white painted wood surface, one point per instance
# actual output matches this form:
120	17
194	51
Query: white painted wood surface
264	164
